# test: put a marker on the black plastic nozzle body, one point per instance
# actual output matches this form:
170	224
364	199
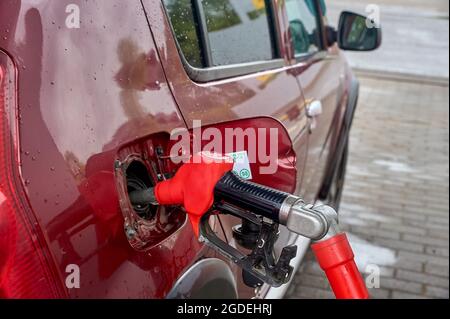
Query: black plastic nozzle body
256	198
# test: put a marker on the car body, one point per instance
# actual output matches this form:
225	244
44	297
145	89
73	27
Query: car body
87	106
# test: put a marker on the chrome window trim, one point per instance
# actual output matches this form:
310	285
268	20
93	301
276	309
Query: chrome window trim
228	71
314	56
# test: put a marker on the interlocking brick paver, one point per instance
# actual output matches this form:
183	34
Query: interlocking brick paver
423	278
436	292
396	197
405	295
437	270
427	259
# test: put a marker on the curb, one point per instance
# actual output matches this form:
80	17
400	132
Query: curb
403	77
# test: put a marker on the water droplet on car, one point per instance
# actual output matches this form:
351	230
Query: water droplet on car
27	182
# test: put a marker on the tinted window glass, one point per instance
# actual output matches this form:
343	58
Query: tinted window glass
238	31
185	27
303	21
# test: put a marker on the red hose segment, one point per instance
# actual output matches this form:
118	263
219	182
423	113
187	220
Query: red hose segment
336	258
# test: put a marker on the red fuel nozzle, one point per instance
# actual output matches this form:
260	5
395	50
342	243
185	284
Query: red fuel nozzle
335	257
193	185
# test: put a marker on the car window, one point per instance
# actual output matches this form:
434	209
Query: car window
304	26
185	28
236	31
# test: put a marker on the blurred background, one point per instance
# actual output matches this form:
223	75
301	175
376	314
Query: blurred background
396	198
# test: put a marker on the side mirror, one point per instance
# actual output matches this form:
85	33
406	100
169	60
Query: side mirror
355	34
300	36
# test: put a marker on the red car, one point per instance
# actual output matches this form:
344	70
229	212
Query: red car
89	94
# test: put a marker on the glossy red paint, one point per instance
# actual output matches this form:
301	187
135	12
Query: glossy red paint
83	93
91	97
286	177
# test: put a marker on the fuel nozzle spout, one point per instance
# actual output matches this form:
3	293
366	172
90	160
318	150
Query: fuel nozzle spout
143	197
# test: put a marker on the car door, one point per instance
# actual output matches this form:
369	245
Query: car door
226	60
320	71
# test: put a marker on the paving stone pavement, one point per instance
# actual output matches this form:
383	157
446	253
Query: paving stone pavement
395	204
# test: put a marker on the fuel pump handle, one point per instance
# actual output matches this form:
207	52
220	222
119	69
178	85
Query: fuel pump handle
319	223
208	179
283	208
